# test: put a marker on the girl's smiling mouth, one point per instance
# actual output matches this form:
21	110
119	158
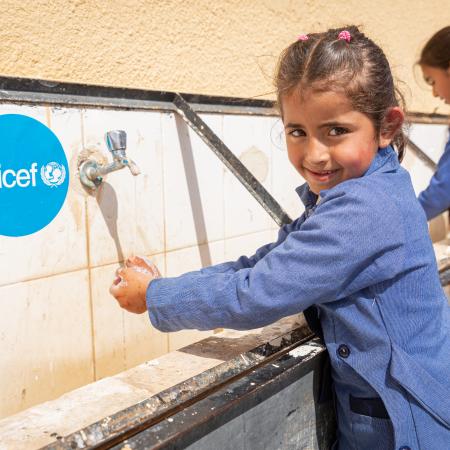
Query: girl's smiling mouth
322	176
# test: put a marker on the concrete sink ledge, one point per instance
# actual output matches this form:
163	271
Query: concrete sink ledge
104	409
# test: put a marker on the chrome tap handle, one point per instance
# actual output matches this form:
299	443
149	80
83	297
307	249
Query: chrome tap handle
116	141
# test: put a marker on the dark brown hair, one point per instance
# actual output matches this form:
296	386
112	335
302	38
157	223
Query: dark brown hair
358	69
436	52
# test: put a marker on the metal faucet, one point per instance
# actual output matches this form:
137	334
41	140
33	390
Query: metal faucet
92	172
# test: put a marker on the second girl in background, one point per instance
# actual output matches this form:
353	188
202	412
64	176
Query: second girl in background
435	64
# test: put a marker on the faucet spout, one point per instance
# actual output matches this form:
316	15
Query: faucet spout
92	173
134	169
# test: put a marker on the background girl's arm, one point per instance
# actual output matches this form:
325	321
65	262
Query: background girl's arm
435	199
350	243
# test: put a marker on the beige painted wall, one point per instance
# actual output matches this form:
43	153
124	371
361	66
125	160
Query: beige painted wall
219	47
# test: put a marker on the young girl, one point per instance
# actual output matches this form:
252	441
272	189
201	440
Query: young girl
359	259
435	64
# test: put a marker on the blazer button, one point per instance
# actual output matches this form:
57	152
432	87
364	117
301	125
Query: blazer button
344	352
404	447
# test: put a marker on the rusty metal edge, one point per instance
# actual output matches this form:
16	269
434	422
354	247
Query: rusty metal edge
444	276
195	421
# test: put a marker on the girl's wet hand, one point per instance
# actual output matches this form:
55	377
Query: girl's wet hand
130	284
142	264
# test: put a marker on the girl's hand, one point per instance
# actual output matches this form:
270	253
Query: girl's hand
130	285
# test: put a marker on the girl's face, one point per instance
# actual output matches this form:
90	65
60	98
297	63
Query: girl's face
439	80
328	142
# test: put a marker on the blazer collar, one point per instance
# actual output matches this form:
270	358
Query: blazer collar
385	160
308	197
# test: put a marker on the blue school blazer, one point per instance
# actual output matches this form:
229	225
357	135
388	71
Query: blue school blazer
363	260
435	199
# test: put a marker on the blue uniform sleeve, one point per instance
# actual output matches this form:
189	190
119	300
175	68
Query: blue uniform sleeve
351	242
247	262
435	199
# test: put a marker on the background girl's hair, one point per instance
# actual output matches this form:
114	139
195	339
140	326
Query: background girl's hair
436	52
358	69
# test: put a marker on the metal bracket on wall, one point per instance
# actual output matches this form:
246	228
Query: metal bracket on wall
231	161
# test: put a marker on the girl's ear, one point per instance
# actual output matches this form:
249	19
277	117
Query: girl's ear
391	124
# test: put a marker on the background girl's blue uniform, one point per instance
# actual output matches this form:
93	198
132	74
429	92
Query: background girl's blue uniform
363	257
435	199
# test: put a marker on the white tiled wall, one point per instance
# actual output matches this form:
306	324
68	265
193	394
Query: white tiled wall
59	327
193	185
126	217
45	339
243	214
431	139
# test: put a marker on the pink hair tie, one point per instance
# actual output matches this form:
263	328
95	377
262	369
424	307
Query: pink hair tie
345	35
303	37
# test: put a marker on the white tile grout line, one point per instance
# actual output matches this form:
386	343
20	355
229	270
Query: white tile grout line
89	268
112	263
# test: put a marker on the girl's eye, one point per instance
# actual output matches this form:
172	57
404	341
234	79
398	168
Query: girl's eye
297	133
337	131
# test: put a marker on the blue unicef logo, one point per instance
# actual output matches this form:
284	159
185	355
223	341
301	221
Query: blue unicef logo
34	175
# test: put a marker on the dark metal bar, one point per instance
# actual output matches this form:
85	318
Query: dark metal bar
444	276
428	118
84	101
50	92
24	90
231	161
